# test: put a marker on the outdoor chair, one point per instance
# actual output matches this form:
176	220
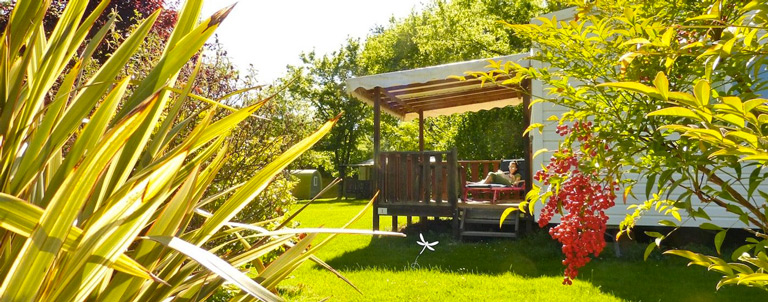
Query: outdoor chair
495	190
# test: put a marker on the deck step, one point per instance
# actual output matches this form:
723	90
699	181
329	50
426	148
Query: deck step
484	222
488	234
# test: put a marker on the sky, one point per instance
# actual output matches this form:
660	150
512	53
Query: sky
272	34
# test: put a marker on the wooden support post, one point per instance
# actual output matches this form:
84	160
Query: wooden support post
376	161
426	178
452	188
421	131
394	223
527	145
421	149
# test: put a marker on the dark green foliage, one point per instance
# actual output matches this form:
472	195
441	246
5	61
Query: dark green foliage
492	134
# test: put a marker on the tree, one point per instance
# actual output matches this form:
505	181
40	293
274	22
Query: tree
321	81
446	32
474	139
668	91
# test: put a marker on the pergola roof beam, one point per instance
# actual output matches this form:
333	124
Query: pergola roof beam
459	95
464	101
397	100
404	93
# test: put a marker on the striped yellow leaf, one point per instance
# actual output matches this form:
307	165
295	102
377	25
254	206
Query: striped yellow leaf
218	266
112	230
21	218
44	244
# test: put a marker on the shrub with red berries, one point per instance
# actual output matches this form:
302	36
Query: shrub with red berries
580	197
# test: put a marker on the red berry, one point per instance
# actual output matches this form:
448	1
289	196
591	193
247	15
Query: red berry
583	197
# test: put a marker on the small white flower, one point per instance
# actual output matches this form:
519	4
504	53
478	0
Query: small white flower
425	244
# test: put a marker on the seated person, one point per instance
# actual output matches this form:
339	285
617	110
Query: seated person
511	178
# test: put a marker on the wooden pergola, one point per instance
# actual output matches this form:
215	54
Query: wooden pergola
416	183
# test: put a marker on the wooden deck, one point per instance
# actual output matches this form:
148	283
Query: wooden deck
429	184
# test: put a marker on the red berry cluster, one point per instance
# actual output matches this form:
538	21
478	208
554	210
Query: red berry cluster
583	199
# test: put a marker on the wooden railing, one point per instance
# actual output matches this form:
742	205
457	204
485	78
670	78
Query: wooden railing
401	178
405	178
475	170
360	189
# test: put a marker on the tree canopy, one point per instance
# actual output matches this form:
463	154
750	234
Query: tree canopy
320	81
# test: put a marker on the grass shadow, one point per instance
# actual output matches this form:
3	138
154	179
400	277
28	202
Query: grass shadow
660	278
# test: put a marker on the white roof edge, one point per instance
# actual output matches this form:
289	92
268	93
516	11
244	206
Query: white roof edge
426	74
561	15
423	75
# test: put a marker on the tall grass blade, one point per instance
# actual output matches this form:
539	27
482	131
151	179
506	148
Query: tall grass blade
26	16
21	218
176	56
285	263
162	75
84	101
218	266
112	231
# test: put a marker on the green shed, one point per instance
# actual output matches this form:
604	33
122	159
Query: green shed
310	183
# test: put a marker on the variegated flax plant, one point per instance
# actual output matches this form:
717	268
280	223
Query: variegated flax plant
95	202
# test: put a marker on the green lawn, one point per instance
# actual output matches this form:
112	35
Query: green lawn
526	269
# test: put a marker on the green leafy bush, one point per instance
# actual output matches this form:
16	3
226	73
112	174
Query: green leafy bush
664	91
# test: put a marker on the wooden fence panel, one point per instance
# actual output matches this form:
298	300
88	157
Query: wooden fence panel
437	187
476	170
425	177
414	177
403	177
474	173
419	177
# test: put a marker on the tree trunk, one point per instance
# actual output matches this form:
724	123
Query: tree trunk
342	185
